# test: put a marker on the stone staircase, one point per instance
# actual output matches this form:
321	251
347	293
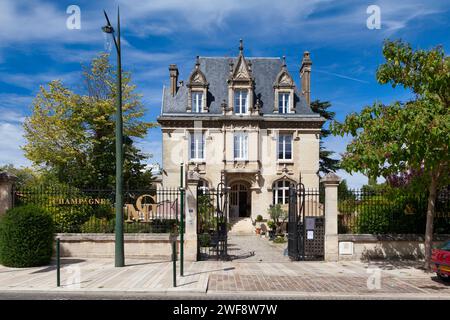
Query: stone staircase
242	226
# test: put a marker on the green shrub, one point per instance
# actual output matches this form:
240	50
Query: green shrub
271	224
279	239
204	239
98	225
392	214
26	237
259	218
70	219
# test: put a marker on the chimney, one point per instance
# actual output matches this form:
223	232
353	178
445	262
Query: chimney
305	74
173	71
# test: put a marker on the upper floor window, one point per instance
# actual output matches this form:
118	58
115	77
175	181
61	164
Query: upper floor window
197	101
285	146
240	101
197	146
240	146
281	192
283	102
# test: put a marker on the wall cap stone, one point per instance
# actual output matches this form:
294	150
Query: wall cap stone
389	237
7	177
331	178
111	236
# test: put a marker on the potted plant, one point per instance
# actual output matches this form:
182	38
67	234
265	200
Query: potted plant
278	215
260	223
272	226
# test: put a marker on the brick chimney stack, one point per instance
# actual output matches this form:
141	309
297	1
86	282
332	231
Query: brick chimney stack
173	72
305	74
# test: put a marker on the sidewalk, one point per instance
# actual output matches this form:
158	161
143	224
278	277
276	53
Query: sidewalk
215	278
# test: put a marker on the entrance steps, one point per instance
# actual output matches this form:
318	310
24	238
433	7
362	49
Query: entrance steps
242	226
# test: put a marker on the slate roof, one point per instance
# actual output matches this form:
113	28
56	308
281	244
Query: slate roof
216	70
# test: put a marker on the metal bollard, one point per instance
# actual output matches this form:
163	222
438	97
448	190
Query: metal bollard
174	260
58	263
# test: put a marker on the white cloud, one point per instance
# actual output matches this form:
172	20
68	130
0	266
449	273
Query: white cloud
11	139
33	81
151	146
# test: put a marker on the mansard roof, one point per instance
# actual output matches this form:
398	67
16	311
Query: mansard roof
217	71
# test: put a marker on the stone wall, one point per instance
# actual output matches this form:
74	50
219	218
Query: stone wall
376	247
139	245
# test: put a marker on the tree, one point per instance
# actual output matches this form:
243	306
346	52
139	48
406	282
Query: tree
326	163
73	135
406	136
25	176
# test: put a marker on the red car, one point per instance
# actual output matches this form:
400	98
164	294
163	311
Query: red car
440	261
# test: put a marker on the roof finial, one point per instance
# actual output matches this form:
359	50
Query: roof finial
241	46
284	61
197	62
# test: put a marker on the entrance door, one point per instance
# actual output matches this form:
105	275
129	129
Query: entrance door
239	201
242	204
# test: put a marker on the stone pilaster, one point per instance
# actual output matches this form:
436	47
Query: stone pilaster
6	191
331	183
190	235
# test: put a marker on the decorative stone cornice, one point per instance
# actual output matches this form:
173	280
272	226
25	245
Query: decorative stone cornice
197	77
331	179
7	177
284	79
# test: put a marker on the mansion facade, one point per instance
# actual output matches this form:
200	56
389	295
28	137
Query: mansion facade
243	120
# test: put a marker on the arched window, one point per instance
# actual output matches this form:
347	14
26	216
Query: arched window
202	186
281	192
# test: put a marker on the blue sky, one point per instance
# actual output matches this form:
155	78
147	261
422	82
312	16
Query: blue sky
36	47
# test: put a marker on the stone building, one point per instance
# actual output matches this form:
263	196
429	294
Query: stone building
244	120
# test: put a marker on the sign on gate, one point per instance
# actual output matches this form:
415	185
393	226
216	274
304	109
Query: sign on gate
306	224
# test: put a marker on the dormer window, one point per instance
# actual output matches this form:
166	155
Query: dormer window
197	101
283	102
198	90
240	101
240	86
284	91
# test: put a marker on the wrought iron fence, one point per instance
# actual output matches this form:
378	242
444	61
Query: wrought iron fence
383	212
92	210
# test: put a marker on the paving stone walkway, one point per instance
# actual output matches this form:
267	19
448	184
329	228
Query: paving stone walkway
231	278
328	279
254	248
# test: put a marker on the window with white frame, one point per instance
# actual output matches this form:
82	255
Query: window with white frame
197	101
285	146
283	102
240	146
240	101
281	192
197	146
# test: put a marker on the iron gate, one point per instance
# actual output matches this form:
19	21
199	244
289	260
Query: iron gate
212	222
306	223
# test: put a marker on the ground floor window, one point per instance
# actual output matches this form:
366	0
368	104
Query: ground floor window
203	187
281	192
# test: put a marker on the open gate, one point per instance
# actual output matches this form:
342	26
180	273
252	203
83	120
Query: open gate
212	222
306	224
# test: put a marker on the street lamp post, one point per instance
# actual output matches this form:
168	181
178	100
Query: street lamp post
119	246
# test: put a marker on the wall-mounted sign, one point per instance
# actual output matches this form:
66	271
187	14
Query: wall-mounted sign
79	201
147	208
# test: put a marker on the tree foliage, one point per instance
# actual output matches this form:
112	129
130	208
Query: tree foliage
326	162
73	135
403	136
25	176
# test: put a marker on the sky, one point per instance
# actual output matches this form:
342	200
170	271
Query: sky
36	46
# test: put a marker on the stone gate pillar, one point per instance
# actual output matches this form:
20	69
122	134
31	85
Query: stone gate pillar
331	183
190	235
6	191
